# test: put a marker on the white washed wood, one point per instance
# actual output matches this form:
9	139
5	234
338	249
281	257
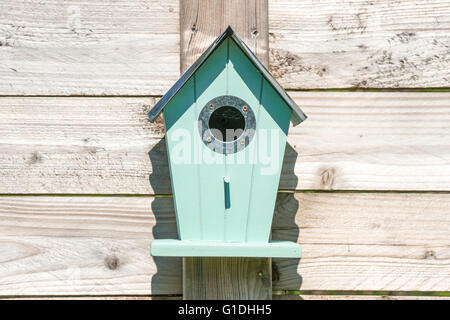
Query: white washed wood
365	241
351	140
357	297
100	245
90	245
371	141
366	267
88	48
404	219
275	297
203	21
79	145
359	43
98	297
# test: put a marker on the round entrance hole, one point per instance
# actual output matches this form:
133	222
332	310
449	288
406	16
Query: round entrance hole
226	124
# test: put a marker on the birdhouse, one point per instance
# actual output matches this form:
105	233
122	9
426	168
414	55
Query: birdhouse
226	122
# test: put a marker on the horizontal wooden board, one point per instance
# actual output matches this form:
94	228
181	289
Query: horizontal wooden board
357	241
80	145
100	245
85	246
88	47
351	141
99	297
275	297
370	140
357	297
360	43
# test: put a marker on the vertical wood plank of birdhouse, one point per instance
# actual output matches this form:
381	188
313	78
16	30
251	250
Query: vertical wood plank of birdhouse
245	82
211	81
202	21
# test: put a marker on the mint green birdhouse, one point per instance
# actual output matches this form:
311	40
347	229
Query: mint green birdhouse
226	122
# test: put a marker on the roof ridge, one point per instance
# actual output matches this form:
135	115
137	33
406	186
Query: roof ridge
298	115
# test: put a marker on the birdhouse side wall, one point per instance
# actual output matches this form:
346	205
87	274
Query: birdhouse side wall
272	129
179	115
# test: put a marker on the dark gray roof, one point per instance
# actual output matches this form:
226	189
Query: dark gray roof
298	115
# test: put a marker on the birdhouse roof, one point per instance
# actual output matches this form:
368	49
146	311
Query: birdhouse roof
298	115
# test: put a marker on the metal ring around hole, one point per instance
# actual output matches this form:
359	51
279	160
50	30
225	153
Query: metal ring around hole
240	142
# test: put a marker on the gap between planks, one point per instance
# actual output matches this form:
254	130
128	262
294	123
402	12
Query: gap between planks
131	195
301	296
356	89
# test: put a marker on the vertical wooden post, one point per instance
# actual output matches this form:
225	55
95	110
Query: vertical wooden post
201	22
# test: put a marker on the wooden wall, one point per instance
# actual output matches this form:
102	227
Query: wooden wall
84	184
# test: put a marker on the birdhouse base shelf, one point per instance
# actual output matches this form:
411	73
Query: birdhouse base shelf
188	248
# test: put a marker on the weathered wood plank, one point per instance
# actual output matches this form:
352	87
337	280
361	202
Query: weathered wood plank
351	141
202	21
80	145
373	241
370	141
88	47
227	278
99	297
359	43
275	297
403	219
100	245
93	245
357	297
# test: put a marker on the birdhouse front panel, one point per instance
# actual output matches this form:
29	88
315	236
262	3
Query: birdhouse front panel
226	130
216	188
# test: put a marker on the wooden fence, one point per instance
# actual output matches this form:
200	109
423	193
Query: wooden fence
84	180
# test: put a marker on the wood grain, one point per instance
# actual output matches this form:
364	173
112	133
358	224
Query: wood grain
351	141
367	241
88	47
360	44
275	297
52	48
370	141
357	297
202	21
100	245
390	141
227	278
92	245
99	297
81	145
